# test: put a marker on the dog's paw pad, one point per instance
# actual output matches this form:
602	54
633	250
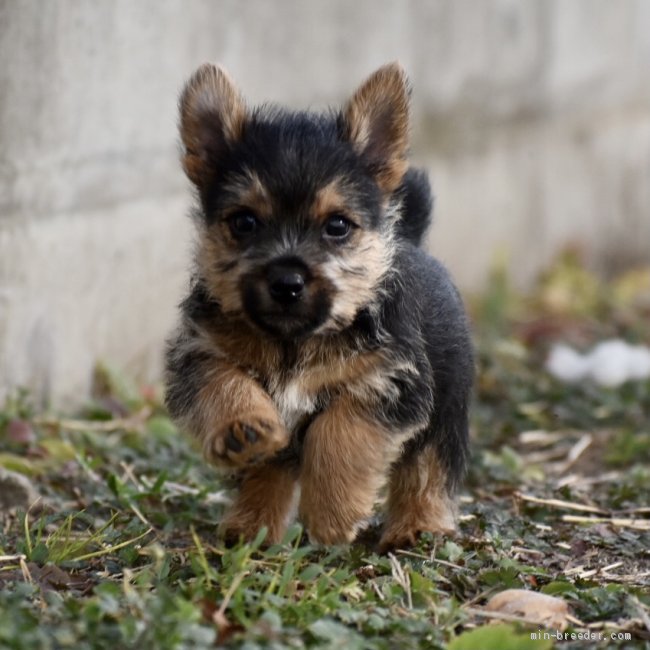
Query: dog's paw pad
232	444
250	433
248	440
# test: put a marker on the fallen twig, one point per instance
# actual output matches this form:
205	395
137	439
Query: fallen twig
575	452
541	438
131	423
558	503
611	566
587	481
628	578
636	524
113	548
526	551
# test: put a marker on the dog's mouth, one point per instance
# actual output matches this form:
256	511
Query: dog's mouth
290	319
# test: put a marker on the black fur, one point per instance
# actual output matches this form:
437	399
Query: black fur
417	206
435	337
294	154
298	153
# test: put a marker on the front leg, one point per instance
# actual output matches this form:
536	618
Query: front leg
265	498
229	413
345	460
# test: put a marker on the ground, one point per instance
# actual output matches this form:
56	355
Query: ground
120	550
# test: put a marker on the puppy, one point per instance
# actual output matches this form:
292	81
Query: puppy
321	355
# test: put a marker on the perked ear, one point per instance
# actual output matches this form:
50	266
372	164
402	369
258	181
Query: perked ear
376	121
212	116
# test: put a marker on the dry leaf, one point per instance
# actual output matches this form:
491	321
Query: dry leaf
48	577
536	607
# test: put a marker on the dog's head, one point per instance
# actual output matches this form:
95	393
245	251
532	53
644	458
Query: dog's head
298	209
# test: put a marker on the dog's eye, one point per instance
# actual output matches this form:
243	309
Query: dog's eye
337	227
243	223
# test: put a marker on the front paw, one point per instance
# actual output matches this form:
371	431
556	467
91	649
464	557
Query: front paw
233	530
331	536
246	440
325	528
405	536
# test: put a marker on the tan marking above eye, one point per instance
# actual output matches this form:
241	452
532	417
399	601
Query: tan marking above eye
249	193
330	201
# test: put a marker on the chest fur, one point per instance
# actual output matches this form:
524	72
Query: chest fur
305	391
293	401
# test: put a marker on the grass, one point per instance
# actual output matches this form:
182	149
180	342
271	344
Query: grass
120	551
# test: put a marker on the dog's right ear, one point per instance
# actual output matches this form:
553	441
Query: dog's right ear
212	116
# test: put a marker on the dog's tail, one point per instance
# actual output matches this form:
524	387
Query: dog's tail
417	206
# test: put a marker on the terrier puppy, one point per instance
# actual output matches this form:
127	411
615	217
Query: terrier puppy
320	352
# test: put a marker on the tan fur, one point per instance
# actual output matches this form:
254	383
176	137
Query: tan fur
229	403
331	200
212	113
238	342
218	250
377	119
351	291
354	291
341	276
251	194
214	249
344	465
324	364
265	498
339	368
418	501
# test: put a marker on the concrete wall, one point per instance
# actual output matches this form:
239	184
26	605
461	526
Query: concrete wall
533	117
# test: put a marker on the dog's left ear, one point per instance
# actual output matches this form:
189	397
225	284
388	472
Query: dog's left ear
376	122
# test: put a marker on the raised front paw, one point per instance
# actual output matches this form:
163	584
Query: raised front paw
246	440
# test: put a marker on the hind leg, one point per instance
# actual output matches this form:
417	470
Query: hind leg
419	500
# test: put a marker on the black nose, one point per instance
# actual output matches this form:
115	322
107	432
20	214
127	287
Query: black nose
286	283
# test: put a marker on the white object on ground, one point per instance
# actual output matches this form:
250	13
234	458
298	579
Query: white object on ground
610	363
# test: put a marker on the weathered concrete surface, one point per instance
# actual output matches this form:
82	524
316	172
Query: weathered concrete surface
102	285
536	188
533	117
